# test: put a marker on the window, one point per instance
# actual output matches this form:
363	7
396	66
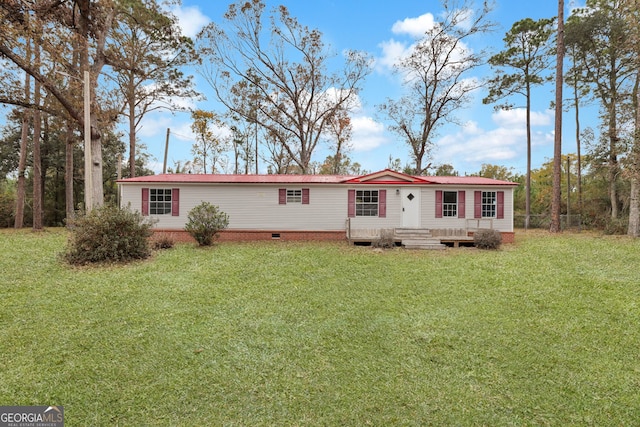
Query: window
450	203
366	202
489	202
294	196
159	201
300	196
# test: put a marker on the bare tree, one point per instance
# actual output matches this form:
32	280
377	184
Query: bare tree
286	67
437	78
209	145
339	132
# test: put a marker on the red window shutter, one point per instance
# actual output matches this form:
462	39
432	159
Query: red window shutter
175	202
382	203
305	196
351	204
145	201
282	196
461	204
500	200
477	204
438	203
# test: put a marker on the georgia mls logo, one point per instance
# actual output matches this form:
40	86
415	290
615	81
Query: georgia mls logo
31	416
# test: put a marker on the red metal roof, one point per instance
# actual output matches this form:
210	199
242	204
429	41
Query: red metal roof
238	179
385	177
466	180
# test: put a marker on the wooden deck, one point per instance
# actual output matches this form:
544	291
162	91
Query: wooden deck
415	238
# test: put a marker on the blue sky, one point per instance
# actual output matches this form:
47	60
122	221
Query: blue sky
383	28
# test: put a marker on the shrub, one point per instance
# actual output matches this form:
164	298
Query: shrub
108	234
618	226
204	222
162	242
386	239
487	239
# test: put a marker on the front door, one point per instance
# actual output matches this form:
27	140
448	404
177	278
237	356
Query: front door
410	207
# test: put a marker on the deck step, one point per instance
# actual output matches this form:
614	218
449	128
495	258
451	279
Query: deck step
422	243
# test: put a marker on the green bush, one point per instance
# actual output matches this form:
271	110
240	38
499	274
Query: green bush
487	239
108	234
7	203
204	222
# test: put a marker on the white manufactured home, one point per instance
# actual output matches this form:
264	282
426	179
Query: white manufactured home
328	207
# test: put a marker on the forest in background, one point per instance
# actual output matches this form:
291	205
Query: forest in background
281	101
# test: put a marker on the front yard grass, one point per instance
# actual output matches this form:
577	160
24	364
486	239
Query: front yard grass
542	332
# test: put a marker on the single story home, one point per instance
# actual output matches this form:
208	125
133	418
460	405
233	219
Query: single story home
328	207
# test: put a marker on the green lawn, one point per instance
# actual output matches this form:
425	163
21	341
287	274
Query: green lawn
542	332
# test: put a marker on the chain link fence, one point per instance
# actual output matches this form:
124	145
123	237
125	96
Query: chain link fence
570	222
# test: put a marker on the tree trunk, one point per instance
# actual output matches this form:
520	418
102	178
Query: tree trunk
37	168
634	211
557	145
68	175
22	166
96	157
576	101
132	136
613	159
633	229
527	214
24	143
37	158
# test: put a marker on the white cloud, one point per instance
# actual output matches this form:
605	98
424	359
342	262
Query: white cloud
190	19
517	118
473	145
414	27
367	134
392	51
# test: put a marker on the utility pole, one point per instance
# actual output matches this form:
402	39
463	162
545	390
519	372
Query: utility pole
166	152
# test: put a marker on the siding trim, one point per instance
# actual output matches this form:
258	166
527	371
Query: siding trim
438	203
145	201
175	202
351	203
500	204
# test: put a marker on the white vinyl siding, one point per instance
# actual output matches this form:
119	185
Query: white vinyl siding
429	219
257	207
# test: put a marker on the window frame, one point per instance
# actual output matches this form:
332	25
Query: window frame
489	204
297	196
449	209
366	203
163	206
294	195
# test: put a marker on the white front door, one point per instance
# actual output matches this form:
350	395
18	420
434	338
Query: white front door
410	207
